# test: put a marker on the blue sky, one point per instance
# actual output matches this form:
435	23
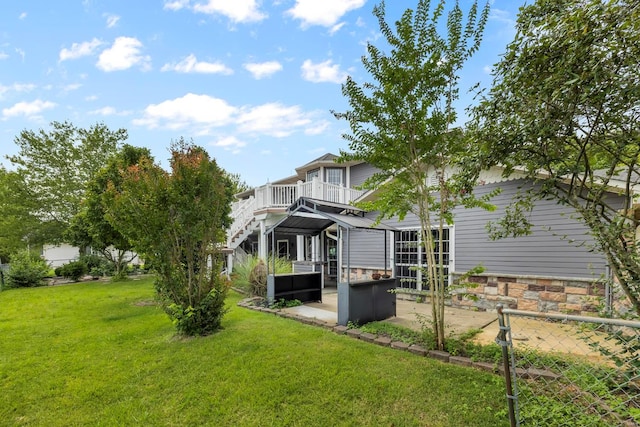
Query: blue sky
251	81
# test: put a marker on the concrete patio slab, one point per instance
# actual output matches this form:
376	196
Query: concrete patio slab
408	313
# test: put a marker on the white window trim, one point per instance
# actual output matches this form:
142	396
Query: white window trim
452	256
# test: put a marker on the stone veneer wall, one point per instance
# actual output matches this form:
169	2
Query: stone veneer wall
364	273
572	296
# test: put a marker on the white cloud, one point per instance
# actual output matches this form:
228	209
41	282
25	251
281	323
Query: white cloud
27	109
263	69
79	49
91	98
109	111
201	113
3	55
229	143
317	128
191	109
274	119
104	111
336	28
322	72
325	13
72	86
22	15
235	10
112	20
21	52
124	54
17	87
191	65
508	22
487	69
175	4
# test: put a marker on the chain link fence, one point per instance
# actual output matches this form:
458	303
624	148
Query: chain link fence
563	370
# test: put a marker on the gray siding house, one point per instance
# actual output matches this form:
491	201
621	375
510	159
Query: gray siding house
554	269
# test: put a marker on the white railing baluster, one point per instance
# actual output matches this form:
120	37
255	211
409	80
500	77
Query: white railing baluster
283	196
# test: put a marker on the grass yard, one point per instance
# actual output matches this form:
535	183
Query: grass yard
100	354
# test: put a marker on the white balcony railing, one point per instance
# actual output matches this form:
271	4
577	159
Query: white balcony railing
282	196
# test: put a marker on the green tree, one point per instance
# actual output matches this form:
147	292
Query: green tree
90	227
403	124
177	221
565	109
17	224
237	183
55	166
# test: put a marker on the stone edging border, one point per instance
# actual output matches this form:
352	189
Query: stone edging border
384	341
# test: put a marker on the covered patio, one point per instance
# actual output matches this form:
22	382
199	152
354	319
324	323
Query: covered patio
357	301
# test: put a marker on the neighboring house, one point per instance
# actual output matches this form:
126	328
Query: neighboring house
553	269
57	255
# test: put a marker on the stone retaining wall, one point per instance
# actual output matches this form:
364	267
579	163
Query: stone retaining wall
580	297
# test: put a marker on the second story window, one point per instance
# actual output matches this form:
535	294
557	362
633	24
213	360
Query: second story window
312	174
335	176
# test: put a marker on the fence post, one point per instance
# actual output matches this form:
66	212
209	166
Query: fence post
501	340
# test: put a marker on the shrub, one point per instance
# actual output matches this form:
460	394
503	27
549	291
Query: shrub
206	317
98	265
74	270
26	270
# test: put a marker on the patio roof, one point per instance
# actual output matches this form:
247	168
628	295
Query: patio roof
309	217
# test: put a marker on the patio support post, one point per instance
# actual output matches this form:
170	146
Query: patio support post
262	243
343	285
348	257
271	278
385	251
229	264
300	247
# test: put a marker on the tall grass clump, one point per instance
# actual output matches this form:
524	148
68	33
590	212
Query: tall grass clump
243	272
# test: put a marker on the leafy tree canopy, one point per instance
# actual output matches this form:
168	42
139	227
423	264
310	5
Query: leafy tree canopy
55	166
89	227
565	109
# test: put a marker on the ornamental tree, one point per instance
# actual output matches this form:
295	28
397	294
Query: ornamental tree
402	122
90	227
177	220
565	109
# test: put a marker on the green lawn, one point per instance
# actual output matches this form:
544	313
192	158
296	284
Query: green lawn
99	354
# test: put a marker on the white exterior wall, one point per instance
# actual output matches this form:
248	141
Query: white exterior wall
57	255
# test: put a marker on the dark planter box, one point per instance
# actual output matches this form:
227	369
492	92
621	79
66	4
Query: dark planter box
366	301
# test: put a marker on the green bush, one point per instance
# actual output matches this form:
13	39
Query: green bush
206	317
98	265
26	270
74	270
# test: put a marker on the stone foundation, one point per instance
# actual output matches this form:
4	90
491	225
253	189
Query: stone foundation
581	297
364	273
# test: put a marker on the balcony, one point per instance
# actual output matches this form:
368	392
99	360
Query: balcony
271	196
